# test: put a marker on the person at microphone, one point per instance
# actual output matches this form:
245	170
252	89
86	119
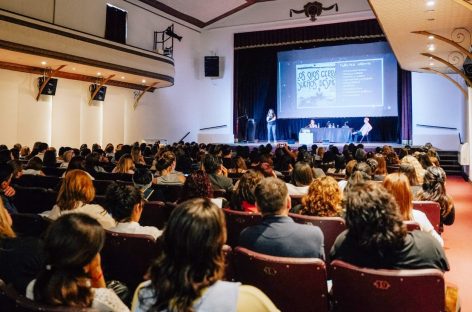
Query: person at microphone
364	131
270	118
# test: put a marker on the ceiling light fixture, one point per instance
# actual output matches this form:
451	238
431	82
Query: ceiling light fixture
431	64
143	81
430	3
431	47
430	37
43	63
123	77
73	68
99	74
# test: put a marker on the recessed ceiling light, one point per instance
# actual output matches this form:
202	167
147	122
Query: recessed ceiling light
430	57
430	37
143	81
431	64
430	3
43	63
122	77
99	74
431	47
73	68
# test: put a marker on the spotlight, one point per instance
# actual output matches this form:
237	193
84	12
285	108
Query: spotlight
169	32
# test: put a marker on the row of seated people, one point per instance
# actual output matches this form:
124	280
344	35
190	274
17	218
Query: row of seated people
194	236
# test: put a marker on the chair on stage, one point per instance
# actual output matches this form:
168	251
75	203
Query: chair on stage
293	284
361	289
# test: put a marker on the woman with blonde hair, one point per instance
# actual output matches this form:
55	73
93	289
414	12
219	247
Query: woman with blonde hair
187	275
21	258
323	198
408	159
125	165
75	196
399	186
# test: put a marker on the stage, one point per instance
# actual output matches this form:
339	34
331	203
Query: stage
367	146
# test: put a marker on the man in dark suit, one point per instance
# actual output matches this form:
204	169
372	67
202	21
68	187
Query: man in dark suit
278	234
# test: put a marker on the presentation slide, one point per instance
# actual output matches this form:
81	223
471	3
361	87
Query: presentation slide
354	80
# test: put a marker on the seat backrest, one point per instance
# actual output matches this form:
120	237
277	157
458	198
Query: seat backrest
293	284
47	182
33	199
432	210
361	289
54	171
10	300
330	226
126	257
296	200
156	213
237	221
29	224
167	192
113	176
412	226
101	186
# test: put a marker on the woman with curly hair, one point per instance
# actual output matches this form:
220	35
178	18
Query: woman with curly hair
377	238
197	185
323	198
434	189
187	276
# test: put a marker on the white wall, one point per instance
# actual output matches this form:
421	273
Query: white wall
437	102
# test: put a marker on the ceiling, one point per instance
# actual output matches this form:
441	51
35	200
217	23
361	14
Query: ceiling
447	18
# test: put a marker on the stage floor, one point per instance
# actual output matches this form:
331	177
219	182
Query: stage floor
367	146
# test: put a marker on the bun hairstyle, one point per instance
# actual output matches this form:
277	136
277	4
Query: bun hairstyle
165	161
71	242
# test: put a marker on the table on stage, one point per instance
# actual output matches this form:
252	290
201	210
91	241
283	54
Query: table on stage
333	135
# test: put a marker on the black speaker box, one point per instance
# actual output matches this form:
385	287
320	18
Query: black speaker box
100	96
50	88
212	66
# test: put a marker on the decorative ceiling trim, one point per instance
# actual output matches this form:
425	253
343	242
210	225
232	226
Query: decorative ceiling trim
195	21
72	76
455	69
448	78
444	39
466	3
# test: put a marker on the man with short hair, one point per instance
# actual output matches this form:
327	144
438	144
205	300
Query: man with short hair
278	234
364	131
217	173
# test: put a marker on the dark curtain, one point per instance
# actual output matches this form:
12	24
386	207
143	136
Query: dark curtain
406	106
255	77
115	29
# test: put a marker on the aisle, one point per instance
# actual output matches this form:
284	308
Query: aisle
458	240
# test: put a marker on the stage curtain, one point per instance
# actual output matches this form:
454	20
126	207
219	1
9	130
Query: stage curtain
255	76
406	106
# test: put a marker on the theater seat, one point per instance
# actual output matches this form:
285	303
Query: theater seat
156	214
126	257
361	289
237	221
33	199
330	226
412	226
29	224
432	210
10	300
167	192
293	284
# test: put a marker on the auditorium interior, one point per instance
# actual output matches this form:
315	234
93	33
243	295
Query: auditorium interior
207	71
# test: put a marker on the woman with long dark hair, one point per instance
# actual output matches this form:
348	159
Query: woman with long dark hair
434	189
73	274
187	276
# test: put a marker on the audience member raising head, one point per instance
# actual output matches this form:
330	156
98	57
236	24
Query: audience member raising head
434	189
376	237
126	205
75	196
73	274
323	198
278	233
397	184
192	265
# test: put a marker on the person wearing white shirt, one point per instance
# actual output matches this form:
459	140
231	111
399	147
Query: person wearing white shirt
126	205
364	131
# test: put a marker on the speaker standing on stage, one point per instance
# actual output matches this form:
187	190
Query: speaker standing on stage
271	125
364	131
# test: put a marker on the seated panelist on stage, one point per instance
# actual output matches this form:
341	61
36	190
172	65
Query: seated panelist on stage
364	131
312	124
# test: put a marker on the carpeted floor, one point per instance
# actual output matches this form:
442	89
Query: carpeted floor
458	240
